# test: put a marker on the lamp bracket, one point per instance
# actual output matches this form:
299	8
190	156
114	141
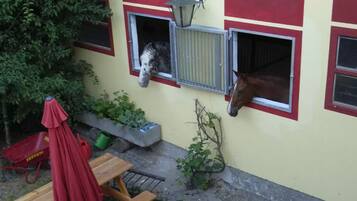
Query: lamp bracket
201	2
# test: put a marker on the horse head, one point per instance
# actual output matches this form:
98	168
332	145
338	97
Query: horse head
243	92
154	58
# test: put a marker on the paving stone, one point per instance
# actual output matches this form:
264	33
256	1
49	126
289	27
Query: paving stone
231	185
121	145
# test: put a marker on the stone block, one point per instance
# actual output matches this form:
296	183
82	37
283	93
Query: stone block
143	137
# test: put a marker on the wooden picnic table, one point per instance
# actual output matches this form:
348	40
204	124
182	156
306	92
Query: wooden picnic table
105	168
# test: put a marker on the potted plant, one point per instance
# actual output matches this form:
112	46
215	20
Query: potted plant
120	117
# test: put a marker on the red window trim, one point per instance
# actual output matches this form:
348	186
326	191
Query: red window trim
152	12
297	62
97	48
332	70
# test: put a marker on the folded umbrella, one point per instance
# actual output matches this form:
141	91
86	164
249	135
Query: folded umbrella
72	177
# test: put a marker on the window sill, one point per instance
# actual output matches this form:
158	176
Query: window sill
162	80
290	115
95	48
341	109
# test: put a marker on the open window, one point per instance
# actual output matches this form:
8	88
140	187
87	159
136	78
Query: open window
341	94
97	37
198	55
147	32
268	58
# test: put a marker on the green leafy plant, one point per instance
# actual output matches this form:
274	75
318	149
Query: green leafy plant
120	109
36	54
204	155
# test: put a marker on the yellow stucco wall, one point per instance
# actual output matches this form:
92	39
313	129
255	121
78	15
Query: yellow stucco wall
315	155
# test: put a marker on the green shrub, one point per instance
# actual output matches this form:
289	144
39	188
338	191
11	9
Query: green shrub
36	53
204	155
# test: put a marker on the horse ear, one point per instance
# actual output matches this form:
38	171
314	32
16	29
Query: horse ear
235	73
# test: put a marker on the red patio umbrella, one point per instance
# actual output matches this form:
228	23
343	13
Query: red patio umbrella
72	177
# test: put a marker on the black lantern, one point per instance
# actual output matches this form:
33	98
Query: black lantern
183	11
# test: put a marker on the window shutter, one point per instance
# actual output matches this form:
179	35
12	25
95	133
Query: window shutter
201	58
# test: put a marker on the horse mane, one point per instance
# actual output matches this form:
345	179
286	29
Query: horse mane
270	87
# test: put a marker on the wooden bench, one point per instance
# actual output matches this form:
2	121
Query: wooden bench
105	168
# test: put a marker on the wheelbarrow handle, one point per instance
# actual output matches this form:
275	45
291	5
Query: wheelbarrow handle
15	168
28	177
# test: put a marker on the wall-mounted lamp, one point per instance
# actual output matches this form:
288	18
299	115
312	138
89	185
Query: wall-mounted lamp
183	11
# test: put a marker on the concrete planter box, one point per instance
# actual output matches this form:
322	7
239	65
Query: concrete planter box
143	137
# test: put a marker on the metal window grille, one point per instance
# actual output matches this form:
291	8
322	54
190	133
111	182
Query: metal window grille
201	58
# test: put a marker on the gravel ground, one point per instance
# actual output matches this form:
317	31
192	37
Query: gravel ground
15	185
147	161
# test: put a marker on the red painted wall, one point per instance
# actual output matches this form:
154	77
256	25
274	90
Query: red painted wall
345	11
279	11
150	2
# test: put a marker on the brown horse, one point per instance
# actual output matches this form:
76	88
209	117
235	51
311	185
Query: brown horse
272	87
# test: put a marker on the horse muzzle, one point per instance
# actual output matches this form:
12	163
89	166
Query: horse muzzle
233	113
143	83
144	80
231	110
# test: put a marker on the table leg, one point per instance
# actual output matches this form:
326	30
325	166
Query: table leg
121	185
107	190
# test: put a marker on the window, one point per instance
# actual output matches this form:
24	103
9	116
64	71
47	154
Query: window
97	37
148	31
199	55
202	58
270	58
341	94
196	55
347	53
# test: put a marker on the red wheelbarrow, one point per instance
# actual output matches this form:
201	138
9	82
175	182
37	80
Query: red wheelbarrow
28	154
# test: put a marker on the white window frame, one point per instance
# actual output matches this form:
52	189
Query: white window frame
134	46
233	35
